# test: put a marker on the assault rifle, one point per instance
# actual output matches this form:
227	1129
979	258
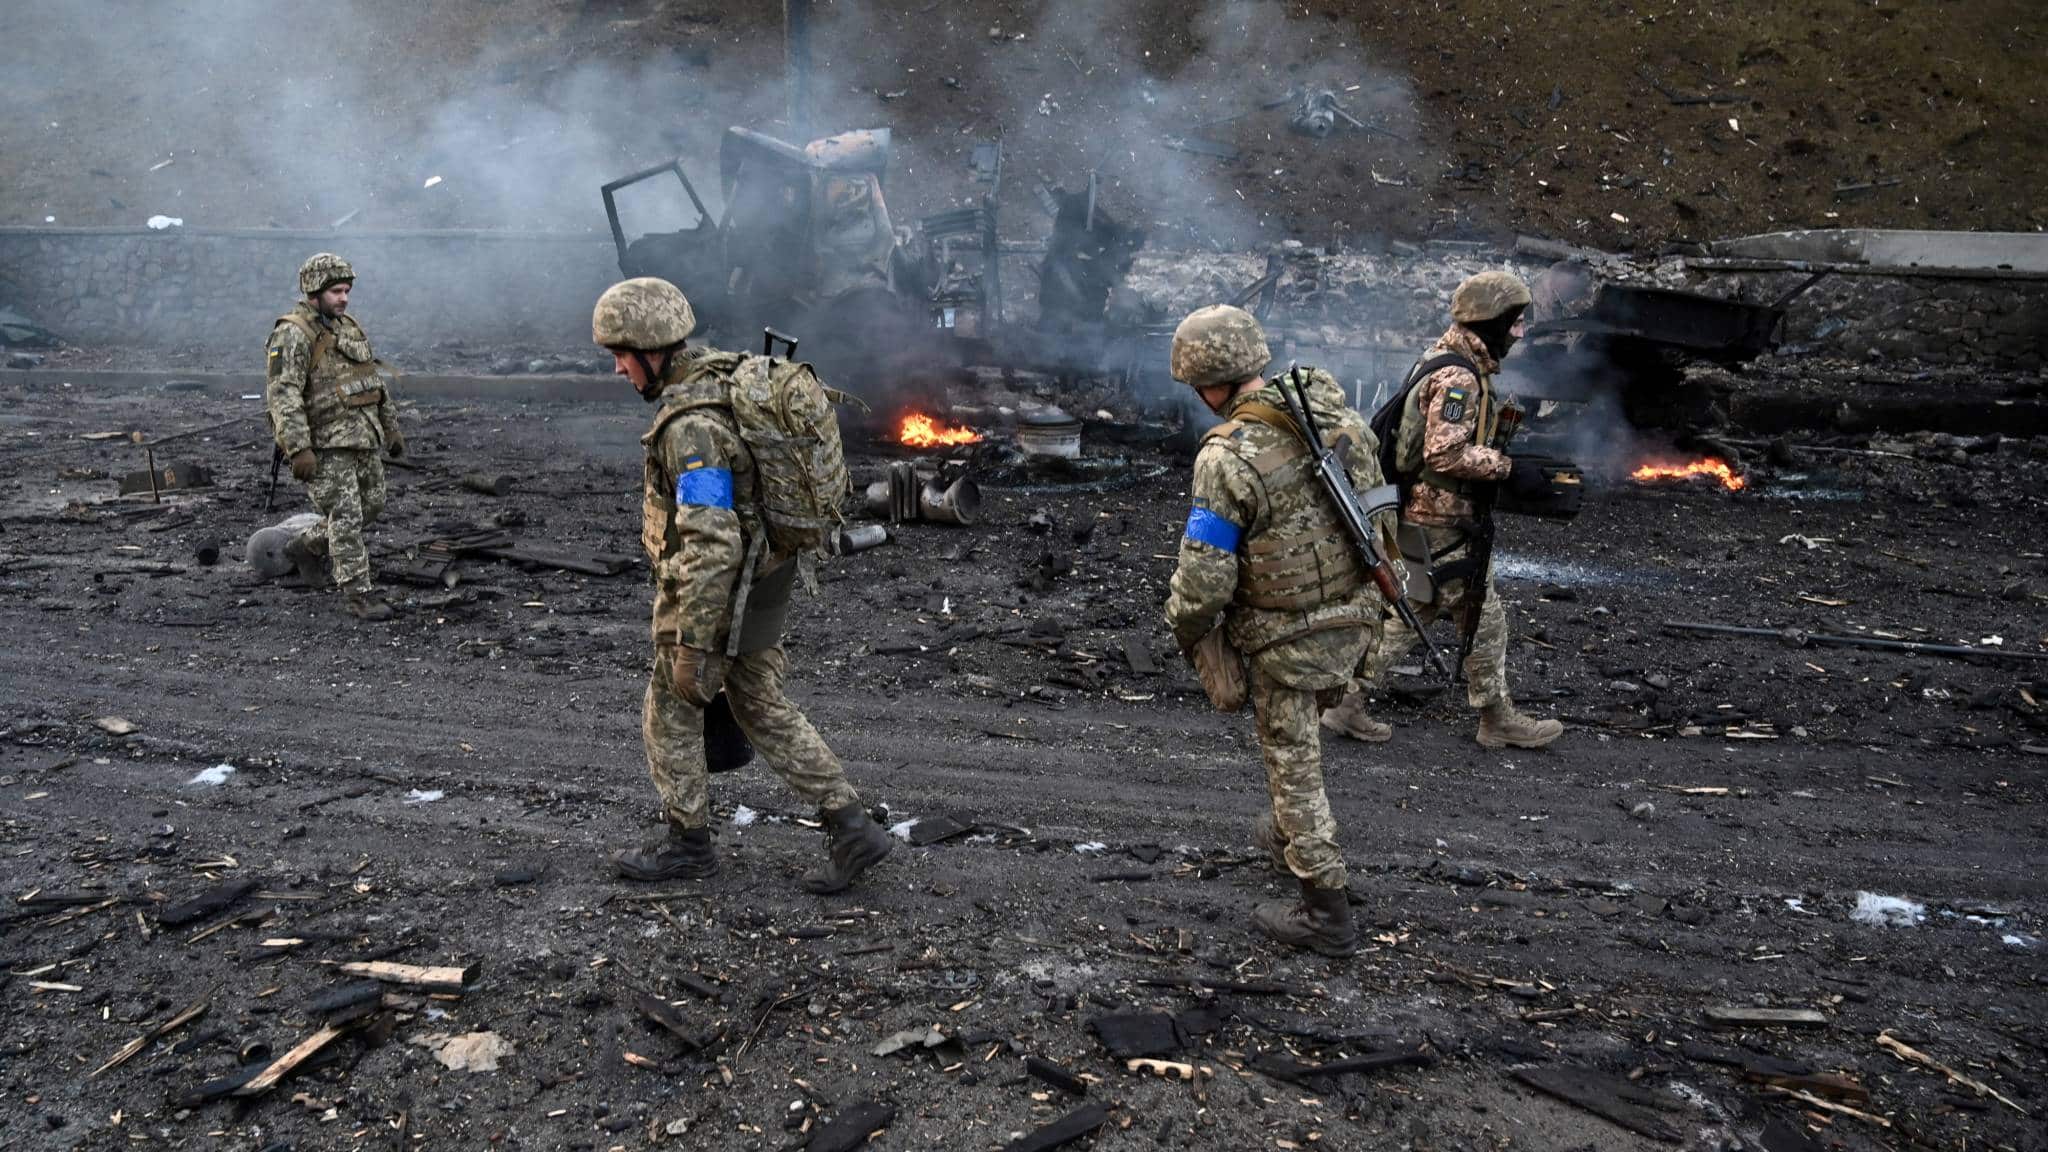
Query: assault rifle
276	460
1507	422
1357	519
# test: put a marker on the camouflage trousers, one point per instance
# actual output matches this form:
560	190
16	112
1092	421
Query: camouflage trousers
1291	741
1486	669
348	490
673	731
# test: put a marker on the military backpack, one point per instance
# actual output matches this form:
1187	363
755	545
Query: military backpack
786	419
1399	428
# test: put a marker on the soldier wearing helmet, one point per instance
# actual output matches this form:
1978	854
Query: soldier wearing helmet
720	598
1447	443
331	416
1268	578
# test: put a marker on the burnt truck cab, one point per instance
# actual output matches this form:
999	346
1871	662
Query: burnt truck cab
800	226
806	245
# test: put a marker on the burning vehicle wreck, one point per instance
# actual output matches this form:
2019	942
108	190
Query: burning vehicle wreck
1080	576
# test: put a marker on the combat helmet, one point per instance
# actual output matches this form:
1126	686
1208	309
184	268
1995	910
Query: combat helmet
323	270
644	314
1219	345
1488	295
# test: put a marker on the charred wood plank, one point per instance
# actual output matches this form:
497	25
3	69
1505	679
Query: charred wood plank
1055	1075
851	1126
211	902
1284	1068
1062	1131
1603	1096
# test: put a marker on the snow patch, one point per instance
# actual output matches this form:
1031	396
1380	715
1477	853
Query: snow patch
218	774
416	796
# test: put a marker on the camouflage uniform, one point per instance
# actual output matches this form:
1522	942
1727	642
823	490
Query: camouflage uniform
703	534
1453	408
1264	551
335	404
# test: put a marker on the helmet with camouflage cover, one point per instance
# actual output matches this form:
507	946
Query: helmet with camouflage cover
1487	295
1218	345
323	270
645	314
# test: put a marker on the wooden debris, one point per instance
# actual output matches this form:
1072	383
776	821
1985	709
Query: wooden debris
211	902
415	976
1283	1068
1162	1068
1055	1075
851	1126
538	555
661	1012
1608	1097
346	996
285	1065
133	1048
1811	1100
1062	1131
1730	1016
1912	1055
1241	988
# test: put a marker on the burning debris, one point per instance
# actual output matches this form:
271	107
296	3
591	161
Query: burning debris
1718	470
917	430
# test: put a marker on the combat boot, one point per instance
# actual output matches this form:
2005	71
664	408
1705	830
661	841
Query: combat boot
1266	838
853	844
1349	718
1501	726
1321	922
684	854
367	606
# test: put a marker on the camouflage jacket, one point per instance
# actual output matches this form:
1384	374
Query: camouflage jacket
698	522
333	400
1455	408
1316	643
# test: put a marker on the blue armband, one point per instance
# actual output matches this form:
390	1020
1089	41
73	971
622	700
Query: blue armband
1209	528
704	488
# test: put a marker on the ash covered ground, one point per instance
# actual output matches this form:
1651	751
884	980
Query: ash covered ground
442	790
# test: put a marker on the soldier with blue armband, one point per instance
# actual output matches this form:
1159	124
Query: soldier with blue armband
722	583
1270	599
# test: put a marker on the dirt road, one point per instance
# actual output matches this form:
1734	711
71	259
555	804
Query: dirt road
443	789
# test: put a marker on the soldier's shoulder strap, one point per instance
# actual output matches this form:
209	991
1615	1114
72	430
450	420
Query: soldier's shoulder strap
322	339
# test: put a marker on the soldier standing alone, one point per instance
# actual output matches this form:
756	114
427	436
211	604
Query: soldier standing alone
721	593
1447	440
1265	559
330	416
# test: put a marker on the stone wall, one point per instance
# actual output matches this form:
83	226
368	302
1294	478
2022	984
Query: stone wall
196	288
219	291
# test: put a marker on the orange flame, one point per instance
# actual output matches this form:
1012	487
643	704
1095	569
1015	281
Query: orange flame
921	431
1718	469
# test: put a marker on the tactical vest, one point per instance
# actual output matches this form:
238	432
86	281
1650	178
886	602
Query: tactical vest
1314	564
1408	442
354	382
